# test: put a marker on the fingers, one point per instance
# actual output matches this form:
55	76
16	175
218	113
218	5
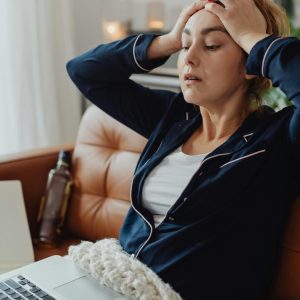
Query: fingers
186	13
190	10
194	7
215	8
222	2
241	18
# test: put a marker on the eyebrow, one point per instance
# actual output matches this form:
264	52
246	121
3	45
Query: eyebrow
206	31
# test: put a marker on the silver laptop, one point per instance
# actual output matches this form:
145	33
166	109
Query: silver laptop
16	247
55	277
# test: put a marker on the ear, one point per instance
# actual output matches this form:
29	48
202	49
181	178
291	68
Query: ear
249	76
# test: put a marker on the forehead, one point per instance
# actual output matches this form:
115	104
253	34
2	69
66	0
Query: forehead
202	20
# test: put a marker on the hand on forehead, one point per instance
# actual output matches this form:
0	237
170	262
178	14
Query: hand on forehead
241	18
216	1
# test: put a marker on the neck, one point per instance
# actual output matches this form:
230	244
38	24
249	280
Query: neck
219	124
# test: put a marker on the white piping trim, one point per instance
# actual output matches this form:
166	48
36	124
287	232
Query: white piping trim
243	157
143	245
246	135
203	161
187	115
264	59
135	255
134	57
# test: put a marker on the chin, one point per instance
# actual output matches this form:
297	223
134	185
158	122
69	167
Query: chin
192	99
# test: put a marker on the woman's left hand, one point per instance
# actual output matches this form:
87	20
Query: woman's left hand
242	19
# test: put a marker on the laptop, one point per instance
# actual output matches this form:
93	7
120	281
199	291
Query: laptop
53	278
16	247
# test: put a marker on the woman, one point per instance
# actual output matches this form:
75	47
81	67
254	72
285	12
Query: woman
213	187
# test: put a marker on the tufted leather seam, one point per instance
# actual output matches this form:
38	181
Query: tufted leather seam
108	161
95	215
107	147
91	194
83	193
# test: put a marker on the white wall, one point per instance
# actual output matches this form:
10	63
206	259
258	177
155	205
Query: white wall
87	20
88	15
172	8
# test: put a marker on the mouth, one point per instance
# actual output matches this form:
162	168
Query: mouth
191	78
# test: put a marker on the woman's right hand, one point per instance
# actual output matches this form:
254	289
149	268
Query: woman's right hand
175	34
170	43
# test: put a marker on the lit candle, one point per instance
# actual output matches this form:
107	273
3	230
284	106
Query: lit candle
114	30
156	25
155	15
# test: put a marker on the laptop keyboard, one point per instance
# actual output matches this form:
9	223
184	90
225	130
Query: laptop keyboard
19	288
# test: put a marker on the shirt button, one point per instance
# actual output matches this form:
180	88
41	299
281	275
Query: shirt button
200	174
171	219
185	198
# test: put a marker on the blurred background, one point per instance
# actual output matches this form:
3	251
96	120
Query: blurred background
40	106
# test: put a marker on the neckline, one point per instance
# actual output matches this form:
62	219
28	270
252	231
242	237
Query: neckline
236	140
192	155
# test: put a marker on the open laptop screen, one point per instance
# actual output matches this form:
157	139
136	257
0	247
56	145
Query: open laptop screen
16	246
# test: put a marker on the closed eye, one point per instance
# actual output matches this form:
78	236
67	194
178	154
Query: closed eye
212	47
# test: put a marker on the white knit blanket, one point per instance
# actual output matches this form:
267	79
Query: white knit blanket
111	266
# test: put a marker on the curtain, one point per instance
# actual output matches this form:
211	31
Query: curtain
39	106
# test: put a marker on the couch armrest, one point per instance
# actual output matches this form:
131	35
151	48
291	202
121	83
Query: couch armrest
31	168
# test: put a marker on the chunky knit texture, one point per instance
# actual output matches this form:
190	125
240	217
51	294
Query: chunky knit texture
109	264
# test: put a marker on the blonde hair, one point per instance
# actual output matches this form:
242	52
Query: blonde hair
277	24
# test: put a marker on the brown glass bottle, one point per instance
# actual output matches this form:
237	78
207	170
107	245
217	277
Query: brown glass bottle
55	202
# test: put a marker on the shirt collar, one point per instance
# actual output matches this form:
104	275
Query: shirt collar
248	128
242	135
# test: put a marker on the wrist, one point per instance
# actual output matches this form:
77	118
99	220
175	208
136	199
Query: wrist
173	43
247	41
162	46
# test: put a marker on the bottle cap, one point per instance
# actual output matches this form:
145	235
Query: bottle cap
64	157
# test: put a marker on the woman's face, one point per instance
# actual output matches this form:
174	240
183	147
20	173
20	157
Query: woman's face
211	65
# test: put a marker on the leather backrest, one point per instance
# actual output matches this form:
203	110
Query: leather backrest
104	158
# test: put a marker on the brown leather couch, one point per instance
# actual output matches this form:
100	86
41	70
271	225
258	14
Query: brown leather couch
104	157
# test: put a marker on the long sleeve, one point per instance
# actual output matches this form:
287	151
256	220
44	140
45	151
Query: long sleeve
102	75
279	60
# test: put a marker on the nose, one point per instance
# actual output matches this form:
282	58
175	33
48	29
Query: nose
192	56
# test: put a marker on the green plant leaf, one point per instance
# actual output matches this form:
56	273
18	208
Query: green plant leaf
275	98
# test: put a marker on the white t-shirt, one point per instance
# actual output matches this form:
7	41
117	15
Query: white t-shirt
166	182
